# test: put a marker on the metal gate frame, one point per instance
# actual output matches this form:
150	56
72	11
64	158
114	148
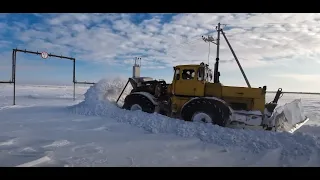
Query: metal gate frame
13	71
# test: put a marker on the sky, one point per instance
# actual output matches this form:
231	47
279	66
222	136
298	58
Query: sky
276	50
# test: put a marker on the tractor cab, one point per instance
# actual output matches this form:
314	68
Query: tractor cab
189	80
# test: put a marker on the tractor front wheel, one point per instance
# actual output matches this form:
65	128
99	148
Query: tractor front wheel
140	102
207	111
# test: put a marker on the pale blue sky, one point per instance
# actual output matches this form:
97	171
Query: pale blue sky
277	50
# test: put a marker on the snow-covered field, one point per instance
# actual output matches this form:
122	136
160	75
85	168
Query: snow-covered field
48	128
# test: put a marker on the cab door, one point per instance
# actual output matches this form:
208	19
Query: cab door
189	83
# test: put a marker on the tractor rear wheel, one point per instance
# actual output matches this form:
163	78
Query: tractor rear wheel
207	111
135	102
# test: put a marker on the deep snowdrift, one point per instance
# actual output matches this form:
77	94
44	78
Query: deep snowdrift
106	89
99	101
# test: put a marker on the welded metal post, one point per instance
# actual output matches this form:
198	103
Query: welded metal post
74	79
14	53
12	67
12	76
74	91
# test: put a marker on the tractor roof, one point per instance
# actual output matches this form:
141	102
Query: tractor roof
188	65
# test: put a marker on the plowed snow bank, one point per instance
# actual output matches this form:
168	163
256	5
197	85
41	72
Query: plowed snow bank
106	89
98	101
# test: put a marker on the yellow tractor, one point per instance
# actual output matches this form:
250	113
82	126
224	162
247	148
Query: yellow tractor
192	96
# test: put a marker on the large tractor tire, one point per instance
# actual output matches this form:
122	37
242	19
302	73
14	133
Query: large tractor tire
138	102
207	111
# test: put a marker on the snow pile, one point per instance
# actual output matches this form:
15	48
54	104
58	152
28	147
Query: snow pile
107	89
98	102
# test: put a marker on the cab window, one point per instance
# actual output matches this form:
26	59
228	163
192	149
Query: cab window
177	74
188	74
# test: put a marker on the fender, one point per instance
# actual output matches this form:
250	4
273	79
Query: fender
149	96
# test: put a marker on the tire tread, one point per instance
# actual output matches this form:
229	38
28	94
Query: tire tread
146	105
218	111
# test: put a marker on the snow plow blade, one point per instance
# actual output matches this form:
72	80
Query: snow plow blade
289	117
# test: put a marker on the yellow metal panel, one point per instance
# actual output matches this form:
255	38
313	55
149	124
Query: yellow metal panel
259	104
254	98
247	101
213	89
243	92
188	66
169	89
189	87
178	102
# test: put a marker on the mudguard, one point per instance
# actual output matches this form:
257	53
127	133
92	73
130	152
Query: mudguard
149	96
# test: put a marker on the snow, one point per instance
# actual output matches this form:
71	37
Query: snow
48	128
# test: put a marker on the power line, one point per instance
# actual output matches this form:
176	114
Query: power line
209	40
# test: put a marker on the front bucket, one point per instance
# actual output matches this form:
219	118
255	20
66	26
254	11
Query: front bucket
290	117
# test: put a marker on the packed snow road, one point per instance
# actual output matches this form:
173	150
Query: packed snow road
47	128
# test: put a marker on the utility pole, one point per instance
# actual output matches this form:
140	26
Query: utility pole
216	70
208	39
216	66
235	57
